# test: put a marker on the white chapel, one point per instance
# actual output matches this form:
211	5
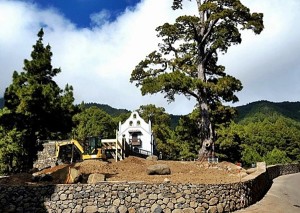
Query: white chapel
137	134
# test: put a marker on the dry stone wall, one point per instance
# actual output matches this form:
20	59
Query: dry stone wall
46	157
140	197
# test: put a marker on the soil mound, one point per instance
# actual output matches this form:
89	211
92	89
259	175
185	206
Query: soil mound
134	169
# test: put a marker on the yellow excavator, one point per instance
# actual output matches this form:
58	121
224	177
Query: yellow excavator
90	149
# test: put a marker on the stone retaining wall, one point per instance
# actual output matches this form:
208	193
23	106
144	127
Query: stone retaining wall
140	197
46	157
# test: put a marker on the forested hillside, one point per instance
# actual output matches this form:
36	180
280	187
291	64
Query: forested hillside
108	109
263	130
286	109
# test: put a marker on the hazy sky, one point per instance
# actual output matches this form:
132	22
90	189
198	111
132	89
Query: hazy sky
97	43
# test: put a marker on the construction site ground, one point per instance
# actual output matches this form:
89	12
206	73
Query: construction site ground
134	169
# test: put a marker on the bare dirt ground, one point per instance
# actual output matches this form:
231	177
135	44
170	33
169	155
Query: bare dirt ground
133	169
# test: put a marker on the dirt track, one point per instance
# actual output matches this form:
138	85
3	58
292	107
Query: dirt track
134	169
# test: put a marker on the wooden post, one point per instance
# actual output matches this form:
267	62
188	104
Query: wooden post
116	147
121	147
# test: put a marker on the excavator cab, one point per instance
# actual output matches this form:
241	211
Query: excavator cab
91	145
92	148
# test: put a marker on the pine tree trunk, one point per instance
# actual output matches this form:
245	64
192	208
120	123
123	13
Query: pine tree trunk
206	135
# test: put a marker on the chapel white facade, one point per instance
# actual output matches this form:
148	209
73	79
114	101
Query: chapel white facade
137	134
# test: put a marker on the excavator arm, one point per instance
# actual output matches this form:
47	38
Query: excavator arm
95	154
59	144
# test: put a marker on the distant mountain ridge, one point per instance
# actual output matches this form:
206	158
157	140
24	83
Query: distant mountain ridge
108	109
287	109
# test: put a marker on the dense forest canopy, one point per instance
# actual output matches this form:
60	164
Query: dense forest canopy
263	131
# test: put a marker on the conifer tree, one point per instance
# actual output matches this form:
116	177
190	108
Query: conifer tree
186	61
37	105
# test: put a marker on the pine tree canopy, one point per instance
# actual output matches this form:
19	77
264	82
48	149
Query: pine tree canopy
36	104
186	60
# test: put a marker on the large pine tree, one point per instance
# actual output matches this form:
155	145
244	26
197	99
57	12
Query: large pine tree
186	61
36	103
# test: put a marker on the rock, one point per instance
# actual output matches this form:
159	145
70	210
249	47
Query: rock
188	210
220	208
156	209
159	169
200	209
90	209
250	171
167	210
261	166
117	202
181	200
152	158
112	209
213	201
153	196
212	209
102	209
122	209
63	197
142	196
131	210
205	205
95	178
121	194
193	204
166	180
74	176
67	210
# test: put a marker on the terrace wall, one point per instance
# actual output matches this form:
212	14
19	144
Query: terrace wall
140	197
